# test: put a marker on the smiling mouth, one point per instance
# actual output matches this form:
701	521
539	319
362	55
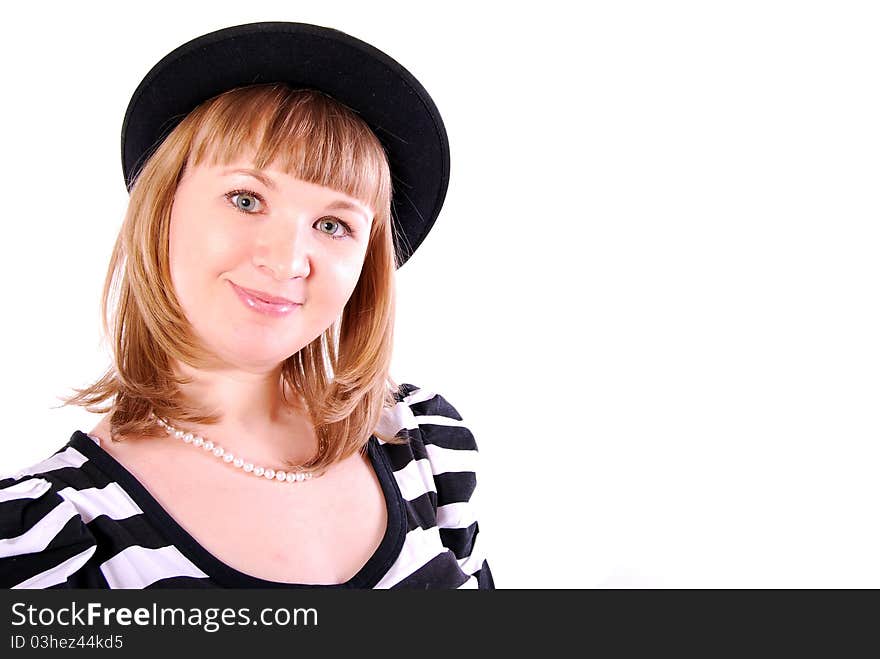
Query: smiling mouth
261	306
265	297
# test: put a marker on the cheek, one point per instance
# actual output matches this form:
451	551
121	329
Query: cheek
346	274
199	254
332	283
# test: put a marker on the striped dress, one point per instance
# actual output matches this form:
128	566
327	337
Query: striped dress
79	519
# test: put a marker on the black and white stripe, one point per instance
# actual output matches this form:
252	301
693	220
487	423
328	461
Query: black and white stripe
79	520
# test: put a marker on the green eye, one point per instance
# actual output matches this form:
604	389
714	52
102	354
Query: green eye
335	221
325	222
244	200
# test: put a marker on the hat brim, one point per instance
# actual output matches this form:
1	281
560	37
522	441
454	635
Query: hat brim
382	92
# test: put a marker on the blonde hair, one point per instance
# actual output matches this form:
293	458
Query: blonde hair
306	134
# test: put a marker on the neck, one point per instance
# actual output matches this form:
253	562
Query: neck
255	422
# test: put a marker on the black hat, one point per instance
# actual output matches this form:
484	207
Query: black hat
384	94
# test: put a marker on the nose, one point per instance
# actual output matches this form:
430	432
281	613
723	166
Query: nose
282	249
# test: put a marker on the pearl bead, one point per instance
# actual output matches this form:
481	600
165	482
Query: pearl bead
226	456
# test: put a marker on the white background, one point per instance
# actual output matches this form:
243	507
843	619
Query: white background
651	293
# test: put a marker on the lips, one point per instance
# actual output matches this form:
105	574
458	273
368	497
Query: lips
272	299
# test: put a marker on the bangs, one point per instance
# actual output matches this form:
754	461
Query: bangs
302	132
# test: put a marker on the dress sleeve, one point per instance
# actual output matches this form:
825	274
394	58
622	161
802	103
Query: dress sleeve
43	538
453	454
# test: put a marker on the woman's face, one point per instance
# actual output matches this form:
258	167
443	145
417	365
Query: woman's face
273	234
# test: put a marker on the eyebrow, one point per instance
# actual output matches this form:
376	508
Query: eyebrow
269	183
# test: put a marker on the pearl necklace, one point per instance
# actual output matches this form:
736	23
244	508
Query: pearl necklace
229	458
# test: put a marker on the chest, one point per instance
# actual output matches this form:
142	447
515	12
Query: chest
322	531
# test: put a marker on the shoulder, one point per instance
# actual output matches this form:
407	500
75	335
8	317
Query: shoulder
43	535
441	444
433	418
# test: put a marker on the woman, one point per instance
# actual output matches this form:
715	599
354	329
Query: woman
279	173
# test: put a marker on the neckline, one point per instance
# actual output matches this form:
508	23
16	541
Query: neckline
367	577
